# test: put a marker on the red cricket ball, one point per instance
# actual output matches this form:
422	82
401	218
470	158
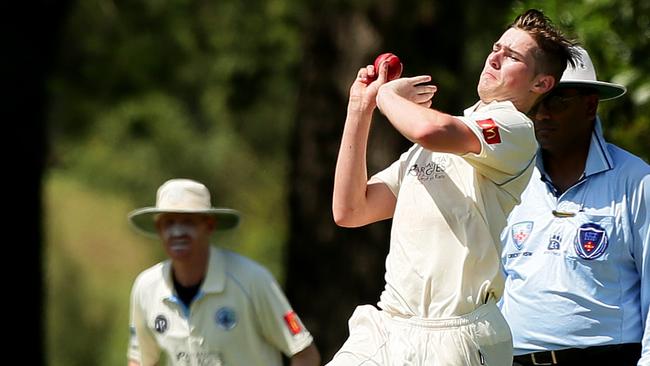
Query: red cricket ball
394	65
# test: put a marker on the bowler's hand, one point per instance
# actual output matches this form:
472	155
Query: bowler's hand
363	92
413	89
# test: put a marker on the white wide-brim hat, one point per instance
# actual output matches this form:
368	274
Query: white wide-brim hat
182	196
584	76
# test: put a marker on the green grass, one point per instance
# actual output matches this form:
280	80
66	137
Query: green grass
91	258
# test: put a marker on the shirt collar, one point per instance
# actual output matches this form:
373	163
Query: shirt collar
599	159
215	280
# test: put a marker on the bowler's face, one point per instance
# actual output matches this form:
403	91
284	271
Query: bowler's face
509	70
185	236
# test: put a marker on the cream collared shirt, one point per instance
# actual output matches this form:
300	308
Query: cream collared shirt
239	317
444	257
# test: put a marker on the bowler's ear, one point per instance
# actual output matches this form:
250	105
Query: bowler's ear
543	84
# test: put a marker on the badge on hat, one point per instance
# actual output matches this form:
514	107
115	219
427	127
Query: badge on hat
520	233
591	241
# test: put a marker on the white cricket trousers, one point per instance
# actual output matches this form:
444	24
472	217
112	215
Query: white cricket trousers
479	338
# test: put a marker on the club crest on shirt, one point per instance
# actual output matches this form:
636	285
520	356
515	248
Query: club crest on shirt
435	169
160	324
490	131
520	233
293	322
225	318
554	242
591	241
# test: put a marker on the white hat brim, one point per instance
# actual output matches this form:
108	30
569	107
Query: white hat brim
605	90
143	219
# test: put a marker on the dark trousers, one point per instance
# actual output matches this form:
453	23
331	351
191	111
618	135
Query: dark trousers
627	354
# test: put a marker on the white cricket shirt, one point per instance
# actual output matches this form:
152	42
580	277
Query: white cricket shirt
445	248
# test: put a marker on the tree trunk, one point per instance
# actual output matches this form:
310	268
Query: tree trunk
31	37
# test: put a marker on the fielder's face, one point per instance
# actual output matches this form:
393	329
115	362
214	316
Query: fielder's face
509	71
185	237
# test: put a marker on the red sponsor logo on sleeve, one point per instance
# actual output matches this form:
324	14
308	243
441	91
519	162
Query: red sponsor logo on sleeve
490	131
293	322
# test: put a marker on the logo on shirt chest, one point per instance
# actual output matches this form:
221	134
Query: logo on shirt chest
201	358
160	324
591	241
436	169
520	232
225	318
554	242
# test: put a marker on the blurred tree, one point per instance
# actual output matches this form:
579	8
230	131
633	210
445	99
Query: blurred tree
144	91
147	90
330	270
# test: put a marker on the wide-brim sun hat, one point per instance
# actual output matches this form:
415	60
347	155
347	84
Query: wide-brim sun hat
182	196
584	76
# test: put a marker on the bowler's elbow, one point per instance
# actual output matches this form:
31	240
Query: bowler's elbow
428	136
449	135
344	217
